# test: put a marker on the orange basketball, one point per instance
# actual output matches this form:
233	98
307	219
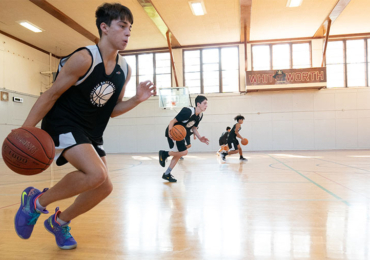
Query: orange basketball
28	150
244	141
178	132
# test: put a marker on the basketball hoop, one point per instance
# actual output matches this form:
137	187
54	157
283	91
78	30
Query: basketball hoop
174	97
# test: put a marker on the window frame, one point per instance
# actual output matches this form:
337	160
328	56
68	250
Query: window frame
154	65
344	40
290	52
219	66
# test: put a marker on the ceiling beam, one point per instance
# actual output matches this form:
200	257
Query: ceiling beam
157	19
326	42
333	15
245	19
47	7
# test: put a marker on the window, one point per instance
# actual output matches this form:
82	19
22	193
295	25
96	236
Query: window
356	66
230	69
131	86
346	63
163	70
261	57
301	55
335	64
192	71
146	67
211	66
155	67
281	56
212	70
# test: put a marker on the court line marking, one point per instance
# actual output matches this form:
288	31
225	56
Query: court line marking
313	182
10	205
341	185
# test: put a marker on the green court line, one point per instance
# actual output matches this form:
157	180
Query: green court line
318	185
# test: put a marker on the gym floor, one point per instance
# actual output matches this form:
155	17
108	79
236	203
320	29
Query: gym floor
278	205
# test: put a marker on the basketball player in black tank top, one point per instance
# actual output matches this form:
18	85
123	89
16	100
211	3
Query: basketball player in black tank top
105	75
188	117
233	142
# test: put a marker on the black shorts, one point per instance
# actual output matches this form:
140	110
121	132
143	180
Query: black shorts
233	144
176	146
221	142
187	140
68	140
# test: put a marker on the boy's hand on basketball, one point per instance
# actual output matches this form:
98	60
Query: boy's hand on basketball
203	139
169	133
145	90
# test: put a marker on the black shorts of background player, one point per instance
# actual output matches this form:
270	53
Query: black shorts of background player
233	143
188	117
223	141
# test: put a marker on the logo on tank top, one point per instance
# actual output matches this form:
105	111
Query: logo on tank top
190	124
102	93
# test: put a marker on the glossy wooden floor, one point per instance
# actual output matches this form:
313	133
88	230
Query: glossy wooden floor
279	205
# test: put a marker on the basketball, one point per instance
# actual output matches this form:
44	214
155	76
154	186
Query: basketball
28	150
178	132
244	141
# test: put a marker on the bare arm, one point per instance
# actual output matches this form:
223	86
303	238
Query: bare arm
144	90
203	139
76	66
237	128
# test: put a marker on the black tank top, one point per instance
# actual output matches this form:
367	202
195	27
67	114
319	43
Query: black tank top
232	134
88	104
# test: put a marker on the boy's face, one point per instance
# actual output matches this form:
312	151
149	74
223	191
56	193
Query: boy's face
240	121
228	130
203	105
119	33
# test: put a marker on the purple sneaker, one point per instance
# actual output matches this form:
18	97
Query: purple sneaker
27	214
63	238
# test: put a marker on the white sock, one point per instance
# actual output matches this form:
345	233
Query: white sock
168	171
61	222
39	207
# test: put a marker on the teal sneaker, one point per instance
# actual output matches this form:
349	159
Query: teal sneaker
63	238
27	214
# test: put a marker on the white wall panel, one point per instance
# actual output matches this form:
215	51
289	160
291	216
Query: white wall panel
346	136
363	133
282	135
303	135
324	134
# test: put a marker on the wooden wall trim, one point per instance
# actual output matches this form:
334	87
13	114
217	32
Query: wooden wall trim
28	44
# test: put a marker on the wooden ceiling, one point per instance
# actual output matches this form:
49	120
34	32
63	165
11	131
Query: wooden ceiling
223	23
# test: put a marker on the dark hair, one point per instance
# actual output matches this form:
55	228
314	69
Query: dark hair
106	13
238	117
199	99
227	128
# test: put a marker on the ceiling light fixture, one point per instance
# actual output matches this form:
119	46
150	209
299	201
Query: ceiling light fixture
30	26
197	7
294	3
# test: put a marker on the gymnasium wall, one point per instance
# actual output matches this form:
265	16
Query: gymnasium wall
20	67
281	120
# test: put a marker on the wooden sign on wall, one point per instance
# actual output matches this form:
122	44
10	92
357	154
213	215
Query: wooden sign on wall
288	76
